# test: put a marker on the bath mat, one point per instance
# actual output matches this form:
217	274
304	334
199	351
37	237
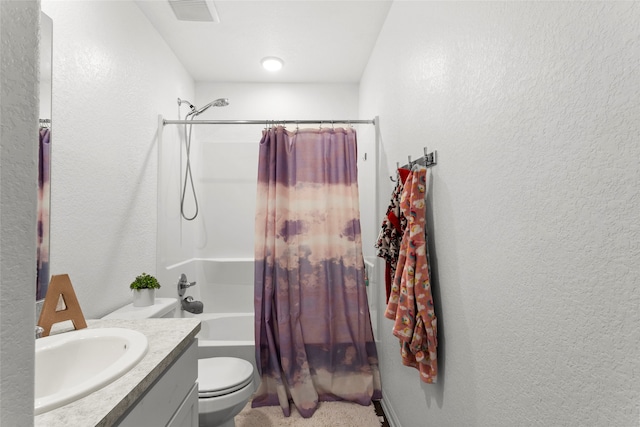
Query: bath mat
333	414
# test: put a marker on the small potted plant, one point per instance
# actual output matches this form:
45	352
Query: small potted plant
144	288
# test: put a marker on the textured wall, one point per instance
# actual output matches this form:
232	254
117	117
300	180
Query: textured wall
533	107
112	76
18	194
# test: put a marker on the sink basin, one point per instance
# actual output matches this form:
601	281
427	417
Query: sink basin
74	364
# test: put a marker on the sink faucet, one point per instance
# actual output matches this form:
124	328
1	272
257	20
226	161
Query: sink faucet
39	331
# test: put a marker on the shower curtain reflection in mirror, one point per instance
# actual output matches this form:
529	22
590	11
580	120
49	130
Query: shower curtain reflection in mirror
44	155
44	185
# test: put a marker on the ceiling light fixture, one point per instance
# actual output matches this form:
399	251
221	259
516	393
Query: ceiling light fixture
272	63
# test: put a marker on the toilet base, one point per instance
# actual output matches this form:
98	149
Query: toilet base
230	423
213	420
221	411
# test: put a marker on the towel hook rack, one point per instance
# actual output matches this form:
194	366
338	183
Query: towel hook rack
428	160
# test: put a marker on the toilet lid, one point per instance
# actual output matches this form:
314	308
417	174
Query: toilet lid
218	376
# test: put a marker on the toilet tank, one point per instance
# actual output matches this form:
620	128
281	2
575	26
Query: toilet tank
163	307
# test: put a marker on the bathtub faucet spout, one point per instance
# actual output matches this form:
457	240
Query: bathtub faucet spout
183	284
191	306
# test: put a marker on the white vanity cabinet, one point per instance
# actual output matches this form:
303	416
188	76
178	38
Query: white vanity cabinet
172	400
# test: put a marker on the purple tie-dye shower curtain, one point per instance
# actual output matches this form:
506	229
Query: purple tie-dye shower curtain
314	340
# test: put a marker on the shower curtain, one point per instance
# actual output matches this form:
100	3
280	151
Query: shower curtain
314	340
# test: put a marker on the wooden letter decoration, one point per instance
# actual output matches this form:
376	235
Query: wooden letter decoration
60	290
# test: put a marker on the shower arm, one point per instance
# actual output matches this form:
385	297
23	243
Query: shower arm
184	101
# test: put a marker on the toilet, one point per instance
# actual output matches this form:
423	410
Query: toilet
225	384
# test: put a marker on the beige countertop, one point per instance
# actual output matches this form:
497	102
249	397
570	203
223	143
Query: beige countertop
168	338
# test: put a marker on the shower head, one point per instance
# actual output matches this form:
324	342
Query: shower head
221	102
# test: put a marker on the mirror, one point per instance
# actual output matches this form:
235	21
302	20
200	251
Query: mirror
44	155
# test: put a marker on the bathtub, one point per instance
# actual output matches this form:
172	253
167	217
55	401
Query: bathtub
225	287
227	335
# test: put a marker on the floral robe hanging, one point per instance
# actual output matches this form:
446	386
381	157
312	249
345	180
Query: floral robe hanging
411	302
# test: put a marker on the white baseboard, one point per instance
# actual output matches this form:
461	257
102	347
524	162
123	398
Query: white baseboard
390	413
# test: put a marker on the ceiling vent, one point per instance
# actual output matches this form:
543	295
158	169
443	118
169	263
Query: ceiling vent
195	10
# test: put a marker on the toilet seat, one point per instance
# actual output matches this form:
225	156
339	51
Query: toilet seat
218	376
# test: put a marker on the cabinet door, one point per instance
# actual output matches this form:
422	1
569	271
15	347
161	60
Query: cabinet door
159	404
187	414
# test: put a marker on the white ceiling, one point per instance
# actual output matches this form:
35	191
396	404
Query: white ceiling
319	41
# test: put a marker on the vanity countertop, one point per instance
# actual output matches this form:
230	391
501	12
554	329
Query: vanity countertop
168	338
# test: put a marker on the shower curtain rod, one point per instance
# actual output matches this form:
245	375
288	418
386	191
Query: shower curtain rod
264	122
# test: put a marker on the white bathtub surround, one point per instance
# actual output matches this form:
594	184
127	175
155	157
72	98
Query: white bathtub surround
224	285
107	405
225	160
